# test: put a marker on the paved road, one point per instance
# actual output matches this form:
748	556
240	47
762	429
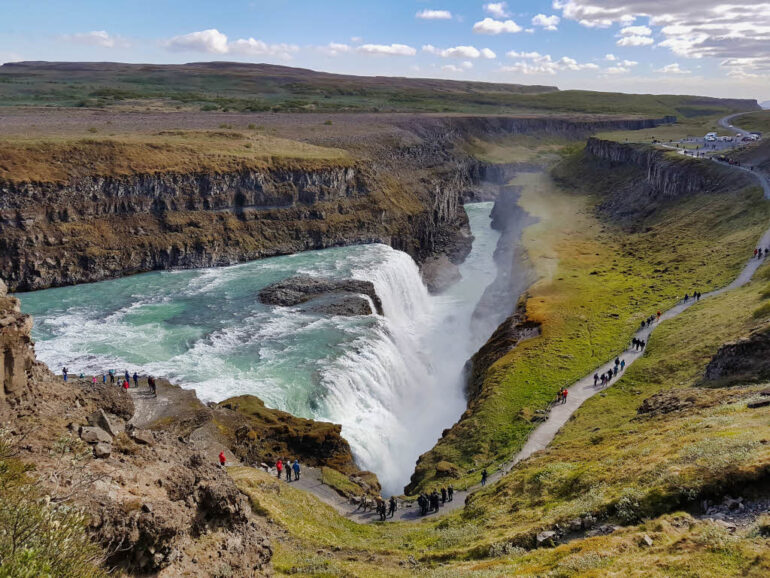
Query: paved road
727	122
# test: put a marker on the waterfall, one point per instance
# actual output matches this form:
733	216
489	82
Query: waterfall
394	382
374	388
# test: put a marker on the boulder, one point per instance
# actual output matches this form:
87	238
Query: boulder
109	422
102	450
546	538
94	435
302	288
142	436
646	541
347	305
757	404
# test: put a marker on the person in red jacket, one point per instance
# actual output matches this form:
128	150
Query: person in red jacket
564	395
222	459
279	467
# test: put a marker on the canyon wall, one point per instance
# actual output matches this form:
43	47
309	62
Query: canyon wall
636	179
407	194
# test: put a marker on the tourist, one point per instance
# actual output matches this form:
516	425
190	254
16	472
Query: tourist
279	467
288	470
392	506
596	379
434	501
64	373
296	468
443	496
128	377
558	396
564	396
484	477
104	378
222	459
125	385
153	386
615	370
686	297
659	315
112	376
93	380
381	509
422	501
622	364
450	493
136	380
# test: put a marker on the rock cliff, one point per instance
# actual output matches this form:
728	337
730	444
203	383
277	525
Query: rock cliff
405	191
636	179
745	361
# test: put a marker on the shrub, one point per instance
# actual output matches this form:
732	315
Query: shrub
40	537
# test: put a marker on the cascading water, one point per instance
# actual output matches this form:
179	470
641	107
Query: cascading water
393	382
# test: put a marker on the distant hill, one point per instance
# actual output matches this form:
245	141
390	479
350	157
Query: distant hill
210	86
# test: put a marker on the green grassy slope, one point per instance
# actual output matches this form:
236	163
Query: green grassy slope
597	282
609	462
259	87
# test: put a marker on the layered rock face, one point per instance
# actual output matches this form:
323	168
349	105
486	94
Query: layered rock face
744	361
658	176
406	192
17	356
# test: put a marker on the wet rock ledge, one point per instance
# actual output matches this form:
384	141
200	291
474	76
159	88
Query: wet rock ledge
328	296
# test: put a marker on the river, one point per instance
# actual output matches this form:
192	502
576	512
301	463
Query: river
393	382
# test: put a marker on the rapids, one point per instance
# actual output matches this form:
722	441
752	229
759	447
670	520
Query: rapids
393	382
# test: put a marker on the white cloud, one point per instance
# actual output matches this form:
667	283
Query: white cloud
335	48
9	57
434	15
492	26
735	31
211	41
617	70
252	47
635	41
514	54
546	22
387	49
96	38
356	39
610	57
673	69
455	68
497	9
636	31
460	52
543	64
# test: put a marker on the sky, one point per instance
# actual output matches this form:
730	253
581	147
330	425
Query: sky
708	47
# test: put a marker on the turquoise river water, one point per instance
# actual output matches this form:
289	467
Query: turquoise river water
393	382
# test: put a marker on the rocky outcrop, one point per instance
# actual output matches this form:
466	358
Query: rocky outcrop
17	355
636	179
262	435
508	335
335	296
745	361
